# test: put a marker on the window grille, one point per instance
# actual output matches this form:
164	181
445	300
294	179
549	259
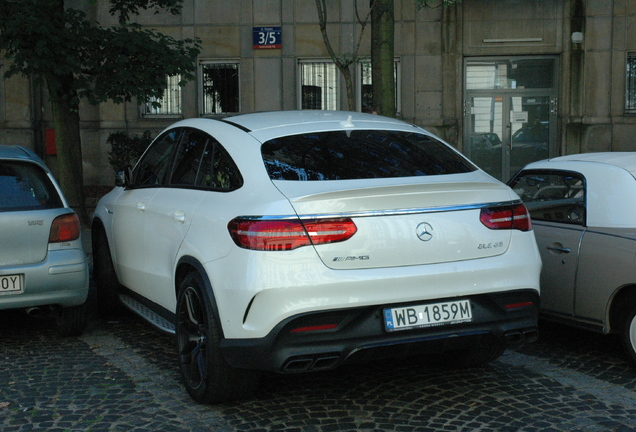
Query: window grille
630	102
319	85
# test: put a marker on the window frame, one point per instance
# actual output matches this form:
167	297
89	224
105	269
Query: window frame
630	82
202	87
539	206
216	152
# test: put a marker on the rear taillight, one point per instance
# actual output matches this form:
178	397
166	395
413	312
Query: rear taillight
508	217
65	228
282	235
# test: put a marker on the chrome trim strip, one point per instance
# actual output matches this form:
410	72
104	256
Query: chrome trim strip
376	213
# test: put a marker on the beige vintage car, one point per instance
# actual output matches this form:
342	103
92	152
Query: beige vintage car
583	209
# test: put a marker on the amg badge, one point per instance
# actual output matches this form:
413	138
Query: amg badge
352	258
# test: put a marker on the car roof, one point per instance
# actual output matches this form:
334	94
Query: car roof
20	153
275	119
264	126
267	125
610	179
624	160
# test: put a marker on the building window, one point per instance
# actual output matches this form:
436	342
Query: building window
169	104
220	84
511	74
318	85
630	100
365	88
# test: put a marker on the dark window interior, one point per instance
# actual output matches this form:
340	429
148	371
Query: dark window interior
360	154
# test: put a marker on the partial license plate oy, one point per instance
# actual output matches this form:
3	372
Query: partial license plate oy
10	284
427	315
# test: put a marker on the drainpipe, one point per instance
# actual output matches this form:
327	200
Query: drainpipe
36	115
574	128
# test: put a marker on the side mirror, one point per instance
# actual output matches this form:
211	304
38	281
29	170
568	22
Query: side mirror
123	177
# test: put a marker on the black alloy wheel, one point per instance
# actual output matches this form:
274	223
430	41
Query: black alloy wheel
628	334
106	282
204	372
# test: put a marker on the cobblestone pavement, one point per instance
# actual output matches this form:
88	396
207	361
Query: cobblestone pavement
121	376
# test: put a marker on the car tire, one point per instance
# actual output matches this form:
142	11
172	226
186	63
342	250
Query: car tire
204	372
628	334
71	321
106	282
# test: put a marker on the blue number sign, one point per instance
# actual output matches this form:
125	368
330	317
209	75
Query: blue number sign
267	38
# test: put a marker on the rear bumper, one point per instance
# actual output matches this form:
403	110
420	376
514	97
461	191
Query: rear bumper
60	280
510	317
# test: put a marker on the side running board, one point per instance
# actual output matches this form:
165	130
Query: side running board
149	315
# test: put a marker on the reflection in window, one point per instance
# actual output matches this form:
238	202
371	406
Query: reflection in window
365	92
155	163
630	103
359	154
510	74
189	157
223	173
220	88
25	186
319	85
170	103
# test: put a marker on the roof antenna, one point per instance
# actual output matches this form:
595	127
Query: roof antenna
347	123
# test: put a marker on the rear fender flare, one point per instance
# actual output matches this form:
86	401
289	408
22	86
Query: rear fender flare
188	264
619	305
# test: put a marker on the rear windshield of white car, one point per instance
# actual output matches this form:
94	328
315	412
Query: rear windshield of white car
25	186
360	154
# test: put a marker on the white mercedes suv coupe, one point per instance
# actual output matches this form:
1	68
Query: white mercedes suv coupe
294	241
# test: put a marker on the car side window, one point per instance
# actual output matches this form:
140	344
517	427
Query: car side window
190	158
154	165
554	196
219	172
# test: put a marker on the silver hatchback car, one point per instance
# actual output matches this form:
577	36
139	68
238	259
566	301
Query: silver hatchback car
43	266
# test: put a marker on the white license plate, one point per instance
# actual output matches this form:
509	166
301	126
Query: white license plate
427	315
10	284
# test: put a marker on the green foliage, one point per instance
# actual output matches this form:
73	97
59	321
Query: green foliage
81	58
125	8
125	149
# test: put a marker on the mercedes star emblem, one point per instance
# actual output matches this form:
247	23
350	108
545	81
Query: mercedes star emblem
424	231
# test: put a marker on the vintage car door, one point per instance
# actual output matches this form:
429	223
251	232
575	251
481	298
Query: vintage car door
559	246
556	201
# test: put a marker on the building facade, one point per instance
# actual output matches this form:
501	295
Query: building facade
504	81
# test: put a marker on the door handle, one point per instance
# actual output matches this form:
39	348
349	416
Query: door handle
560	249
141	206
179	216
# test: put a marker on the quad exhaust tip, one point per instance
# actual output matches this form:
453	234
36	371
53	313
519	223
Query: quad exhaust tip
311	363
519	337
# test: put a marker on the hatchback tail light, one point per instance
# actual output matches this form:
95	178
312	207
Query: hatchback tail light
279	235
509	217
65	228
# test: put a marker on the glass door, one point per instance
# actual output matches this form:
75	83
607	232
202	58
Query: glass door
487	134
510	115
